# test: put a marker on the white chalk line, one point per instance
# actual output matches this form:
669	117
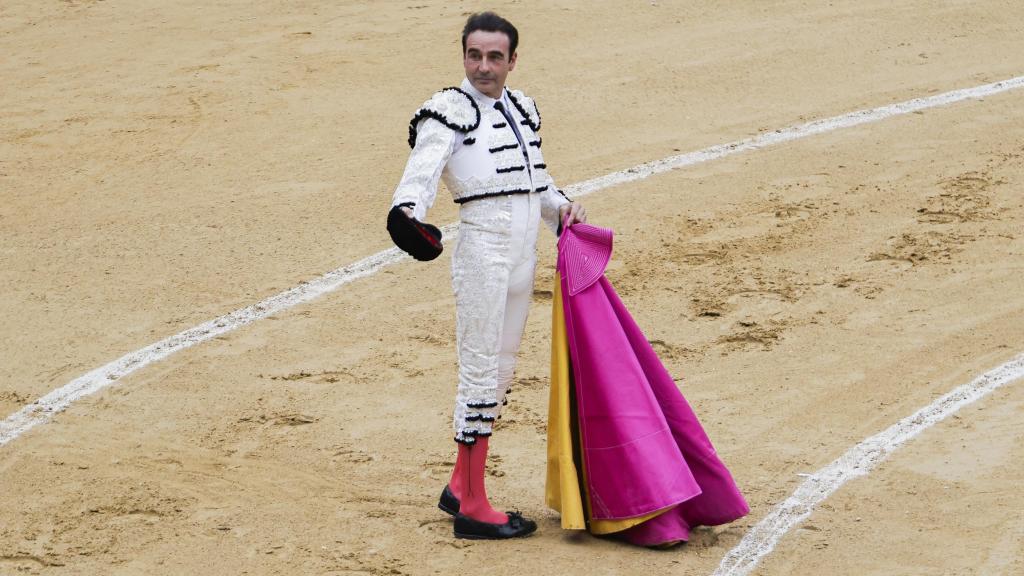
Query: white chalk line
44	408
857	461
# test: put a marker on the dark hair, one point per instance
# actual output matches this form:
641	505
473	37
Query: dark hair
491	22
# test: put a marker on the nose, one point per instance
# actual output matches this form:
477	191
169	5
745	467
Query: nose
485	64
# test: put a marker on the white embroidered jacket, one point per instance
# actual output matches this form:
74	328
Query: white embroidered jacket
460	136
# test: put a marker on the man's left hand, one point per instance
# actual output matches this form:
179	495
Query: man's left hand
575	210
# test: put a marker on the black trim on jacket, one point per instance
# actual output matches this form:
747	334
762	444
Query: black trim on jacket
427	113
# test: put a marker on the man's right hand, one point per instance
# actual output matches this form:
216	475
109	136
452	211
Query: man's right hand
408	211
574	210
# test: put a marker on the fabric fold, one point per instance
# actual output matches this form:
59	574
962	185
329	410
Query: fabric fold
627	456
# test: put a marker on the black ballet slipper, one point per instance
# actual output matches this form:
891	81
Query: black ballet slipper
516	527
448	502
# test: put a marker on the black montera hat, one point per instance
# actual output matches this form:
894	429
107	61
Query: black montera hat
421	240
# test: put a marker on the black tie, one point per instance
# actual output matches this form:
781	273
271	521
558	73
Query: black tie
508	118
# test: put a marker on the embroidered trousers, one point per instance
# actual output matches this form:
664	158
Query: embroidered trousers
492	276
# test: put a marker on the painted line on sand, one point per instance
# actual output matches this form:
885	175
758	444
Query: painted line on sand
857	461
44	408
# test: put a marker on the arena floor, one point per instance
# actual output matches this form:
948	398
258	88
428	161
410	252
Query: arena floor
166	163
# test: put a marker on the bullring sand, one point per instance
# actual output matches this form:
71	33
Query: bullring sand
162	164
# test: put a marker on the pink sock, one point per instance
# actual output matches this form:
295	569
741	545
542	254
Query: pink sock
474	501
458	473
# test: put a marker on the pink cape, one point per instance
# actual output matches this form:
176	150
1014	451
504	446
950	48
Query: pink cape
642	446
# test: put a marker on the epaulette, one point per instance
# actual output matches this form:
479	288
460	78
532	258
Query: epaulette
527	107
451	107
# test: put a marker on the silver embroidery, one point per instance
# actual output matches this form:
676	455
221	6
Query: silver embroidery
481	258
434	145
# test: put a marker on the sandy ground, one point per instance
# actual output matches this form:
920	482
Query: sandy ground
165	163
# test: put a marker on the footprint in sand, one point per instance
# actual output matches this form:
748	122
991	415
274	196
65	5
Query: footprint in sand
751	333
964	198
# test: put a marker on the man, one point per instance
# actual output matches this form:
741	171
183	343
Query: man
483	140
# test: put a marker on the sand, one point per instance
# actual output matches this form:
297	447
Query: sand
165	163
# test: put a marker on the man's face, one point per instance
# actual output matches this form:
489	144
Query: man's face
487	61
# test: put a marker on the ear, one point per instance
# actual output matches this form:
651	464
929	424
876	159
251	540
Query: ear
512	61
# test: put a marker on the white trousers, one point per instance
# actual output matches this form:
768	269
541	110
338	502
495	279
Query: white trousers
492	276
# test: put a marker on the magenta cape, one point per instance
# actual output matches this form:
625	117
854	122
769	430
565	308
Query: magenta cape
641	445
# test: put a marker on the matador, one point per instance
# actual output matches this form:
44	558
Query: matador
484	141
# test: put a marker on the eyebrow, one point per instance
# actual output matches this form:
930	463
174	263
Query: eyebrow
492	53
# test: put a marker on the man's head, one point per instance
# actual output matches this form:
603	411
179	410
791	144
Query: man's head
489	51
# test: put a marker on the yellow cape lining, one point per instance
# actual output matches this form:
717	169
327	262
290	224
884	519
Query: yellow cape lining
562	492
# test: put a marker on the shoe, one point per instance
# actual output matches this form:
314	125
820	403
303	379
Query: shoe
516	527
448	502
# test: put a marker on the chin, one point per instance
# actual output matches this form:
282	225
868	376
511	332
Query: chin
485	87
